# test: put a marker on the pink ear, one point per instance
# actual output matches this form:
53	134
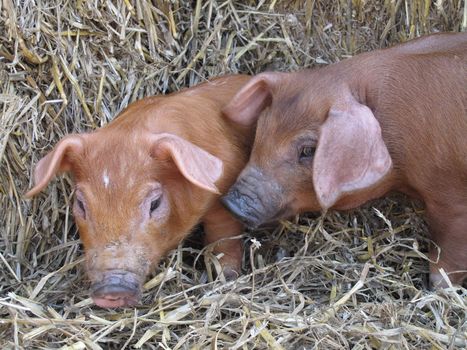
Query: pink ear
351	154
252	99
55	162
196	165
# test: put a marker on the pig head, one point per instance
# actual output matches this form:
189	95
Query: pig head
146	179
337	153
339	136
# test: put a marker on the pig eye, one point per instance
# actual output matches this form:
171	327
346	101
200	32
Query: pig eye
306	152
155	204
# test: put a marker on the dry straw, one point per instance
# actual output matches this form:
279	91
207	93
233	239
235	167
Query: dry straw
348	280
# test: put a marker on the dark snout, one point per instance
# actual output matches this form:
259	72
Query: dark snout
235	203
117	289
254	199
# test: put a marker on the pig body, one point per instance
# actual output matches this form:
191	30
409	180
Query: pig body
339	136
146	179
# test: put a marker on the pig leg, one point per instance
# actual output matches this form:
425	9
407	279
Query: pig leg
448	226
220	225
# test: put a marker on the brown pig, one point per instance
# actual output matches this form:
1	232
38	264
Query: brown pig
146	179
339	136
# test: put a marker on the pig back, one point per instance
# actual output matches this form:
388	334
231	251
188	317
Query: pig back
421	104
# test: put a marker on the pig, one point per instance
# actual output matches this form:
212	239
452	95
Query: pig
336	137
146	179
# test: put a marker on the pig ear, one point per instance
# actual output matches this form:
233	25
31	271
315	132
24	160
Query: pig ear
55	162
196	165
351	154
252	99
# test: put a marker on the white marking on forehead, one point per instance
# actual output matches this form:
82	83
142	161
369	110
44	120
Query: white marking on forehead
105	179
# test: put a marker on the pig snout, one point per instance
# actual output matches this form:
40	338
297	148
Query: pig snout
241	208
254	199
117	288
117	271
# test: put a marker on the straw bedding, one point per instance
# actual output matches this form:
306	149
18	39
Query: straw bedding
348	280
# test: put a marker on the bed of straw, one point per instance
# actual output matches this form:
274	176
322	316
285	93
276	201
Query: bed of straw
347	280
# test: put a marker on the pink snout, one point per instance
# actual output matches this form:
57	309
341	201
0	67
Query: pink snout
117	289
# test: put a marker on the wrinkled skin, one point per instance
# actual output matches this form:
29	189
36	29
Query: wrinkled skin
339	136
146	179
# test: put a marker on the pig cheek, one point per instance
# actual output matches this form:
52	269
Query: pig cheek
306	199
155	241
89	250
84	234
162	241
299	194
